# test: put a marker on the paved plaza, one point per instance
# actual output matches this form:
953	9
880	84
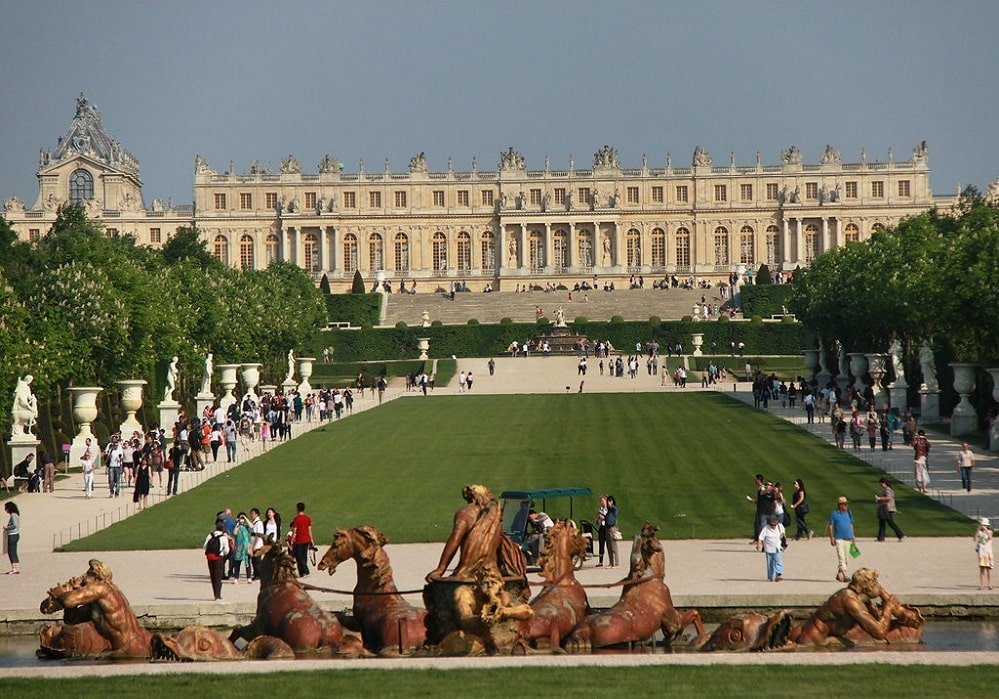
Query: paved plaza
171	588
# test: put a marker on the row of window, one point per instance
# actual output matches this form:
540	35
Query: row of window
561	246
583	195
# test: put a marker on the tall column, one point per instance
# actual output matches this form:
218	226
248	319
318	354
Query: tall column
619	259
525	254
785	242
573	247
838	232
798	241
549	249
825	234
299	251
285	244
334	249
321	248
502	255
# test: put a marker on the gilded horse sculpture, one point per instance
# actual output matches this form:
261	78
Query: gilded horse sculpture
562	602
387	621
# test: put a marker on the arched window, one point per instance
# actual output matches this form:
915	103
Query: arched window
272	248
246	251
721	246
852	233
560	249
81	186
464	251
440	252
401	252
310	247
536	250
220	248
586	249
376	252
488	243
633	246
658	248
811	242
877	227
773	245
682	250
747	244
350	253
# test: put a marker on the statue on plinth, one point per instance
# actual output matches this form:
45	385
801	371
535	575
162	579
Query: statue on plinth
895	352
24	411
841	362
823	368
171	381
929	368
560	317
206	374
291	367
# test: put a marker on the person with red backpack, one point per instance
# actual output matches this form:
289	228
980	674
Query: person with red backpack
216	549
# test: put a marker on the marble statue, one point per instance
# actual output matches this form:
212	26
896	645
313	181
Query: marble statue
841	359
511	160
920	154
425	319
171	380
559	317
701	158
831	155
606	245
606	157
895	351
929	368
418	163
513	252
791	156
330	165
291	166
823	367
206	374
291	367
201	166
24	411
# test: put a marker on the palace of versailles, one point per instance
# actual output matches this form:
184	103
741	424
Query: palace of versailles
496	227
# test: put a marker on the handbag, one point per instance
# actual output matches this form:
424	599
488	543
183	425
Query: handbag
854	550
616	534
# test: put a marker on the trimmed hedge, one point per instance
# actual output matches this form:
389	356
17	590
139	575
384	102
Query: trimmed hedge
356	309
488	340
766	300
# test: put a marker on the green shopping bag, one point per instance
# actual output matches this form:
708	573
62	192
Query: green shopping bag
854	550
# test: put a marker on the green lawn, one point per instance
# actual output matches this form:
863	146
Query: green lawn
685	462
849	682
785	367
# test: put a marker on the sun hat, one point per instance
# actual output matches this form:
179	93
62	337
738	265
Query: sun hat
985	521
841	500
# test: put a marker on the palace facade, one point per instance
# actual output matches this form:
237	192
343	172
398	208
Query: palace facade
501	227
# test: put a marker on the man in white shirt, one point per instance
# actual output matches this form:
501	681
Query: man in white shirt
771	539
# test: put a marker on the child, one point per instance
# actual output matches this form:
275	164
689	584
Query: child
983	546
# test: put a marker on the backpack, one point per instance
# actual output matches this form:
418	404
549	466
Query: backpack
214	547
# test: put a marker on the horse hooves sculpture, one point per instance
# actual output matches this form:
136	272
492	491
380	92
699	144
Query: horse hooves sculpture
645	607
388	623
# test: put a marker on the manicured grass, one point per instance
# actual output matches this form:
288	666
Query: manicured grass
849	682
785	367
683	461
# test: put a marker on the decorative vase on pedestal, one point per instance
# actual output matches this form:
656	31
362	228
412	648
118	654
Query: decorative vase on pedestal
994	427
811	362
228	382
876	368
84	414
131	403
305	371
858	367
964	419
698	342
251	377
423	344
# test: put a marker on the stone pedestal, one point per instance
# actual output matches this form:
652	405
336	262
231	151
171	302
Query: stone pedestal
131	403
823	378
251	377
305	371
19	450
288	386
698	342
964	419
202	401
876	368
423	344
84	413
858	367
929	404
898	396
994	428
228	383
169	410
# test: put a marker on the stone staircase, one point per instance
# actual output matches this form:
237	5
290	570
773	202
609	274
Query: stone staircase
630	304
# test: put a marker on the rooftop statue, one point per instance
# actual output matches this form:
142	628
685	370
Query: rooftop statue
831	155
606	158
201	166
418	163
791	156
257	168
13	204
291	166
920	154
511	160
330	165
701	158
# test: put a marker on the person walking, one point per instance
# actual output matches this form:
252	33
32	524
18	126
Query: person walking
613	533
841	535
12	531
886	511
141	494
48	472
965	462
920	466
300	537
272	526
216	548
243	538
983	547
773	539
799	503
602	530
87	466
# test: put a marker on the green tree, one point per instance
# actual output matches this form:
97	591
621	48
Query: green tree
763	275
187	244
357	287
324	286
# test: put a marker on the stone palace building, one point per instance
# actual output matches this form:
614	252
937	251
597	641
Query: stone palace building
504	226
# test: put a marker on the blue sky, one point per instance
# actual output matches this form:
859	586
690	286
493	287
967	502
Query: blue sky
239	81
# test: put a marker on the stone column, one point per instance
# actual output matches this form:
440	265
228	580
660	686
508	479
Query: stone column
573	256
524	261
838	233
335	264
799	243
964	419
618	248
825	234
321	249
228	382
131	402
549	249
286	244
84	414
785	243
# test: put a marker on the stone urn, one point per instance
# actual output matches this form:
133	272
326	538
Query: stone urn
228	383
876	368
251	377
131	403
858	367
423	344
994	427
698	341
84	413
305	371
964	419
811	362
